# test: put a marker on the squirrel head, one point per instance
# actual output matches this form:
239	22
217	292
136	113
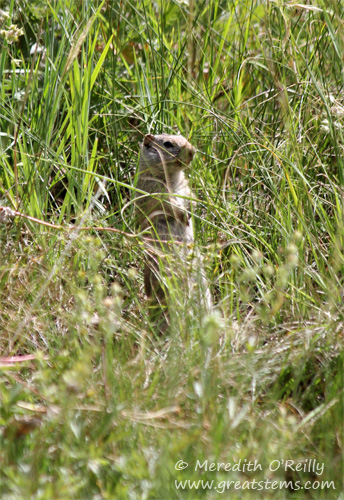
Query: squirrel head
172	151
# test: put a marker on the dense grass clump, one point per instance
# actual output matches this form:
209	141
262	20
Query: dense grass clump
94	403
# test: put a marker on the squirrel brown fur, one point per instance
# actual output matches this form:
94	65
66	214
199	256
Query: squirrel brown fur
163	207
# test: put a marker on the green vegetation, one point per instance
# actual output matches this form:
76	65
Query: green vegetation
101	406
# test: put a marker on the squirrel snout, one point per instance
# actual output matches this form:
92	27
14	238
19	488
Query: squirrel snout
191	153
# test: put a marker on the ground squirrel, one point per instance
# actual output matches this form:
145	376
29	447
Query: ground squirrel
165	211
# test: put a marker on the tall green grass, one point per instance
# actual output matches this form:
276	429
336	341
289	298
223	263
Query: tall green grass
107	407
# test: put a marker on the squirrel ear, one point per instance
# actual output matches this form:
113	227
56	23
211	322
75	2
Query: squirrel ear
148	139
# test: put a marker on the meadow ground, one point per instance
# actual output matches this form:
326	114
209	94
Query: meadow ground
94	404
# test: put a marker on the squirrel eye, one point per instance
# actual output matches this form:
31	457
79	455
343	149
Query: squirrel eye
168	144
